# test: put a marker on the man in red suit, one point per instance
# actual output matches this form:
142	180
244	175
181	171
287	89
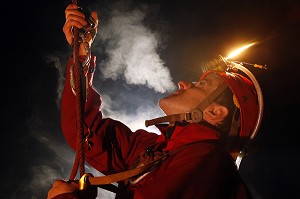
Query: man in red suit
222	111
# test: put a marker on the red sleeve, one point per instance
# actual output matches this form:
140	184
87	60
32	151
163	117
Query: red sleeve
114	145
68	105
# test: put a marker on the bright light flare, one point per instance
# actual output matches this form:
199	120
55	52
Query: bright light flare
238	51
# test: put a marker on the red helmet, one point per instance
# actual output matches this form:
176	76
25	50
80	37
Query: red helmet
247	100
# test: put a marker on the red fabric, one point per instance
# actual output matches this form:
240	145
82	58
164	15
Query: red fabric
201	170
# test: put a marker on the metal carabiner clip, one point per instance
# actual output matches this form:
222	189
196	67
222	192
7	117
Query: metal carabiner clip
89	19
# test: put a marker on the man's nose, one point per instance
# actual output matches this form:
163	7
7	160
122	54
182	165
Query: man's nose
184	84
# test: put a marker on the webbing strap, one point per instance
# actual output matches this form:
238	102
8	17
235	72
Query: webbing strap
193	117
212	97
102	180
169	118
235	124
108	179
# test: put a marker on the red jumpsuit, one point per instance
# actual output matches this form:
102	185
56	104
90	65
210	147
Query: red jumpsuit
200	170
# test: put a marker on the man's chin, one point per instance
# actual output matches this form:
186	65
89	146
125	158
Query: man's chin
163	105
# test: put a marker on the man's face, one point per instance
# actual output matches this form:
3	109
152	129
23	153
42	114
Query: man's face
189	95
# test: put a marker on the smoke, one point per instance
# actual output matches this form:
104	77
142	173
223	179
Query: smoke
56	63
135	119
132	51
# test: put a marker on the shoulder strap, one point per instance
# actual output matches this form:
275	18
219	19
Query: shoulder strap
108	179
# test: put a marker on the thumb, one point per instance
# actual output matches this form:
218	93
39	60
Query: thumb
95	18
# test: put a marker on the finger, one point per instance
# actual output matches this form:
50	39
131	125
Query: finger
57	183
72	9
69	24
50	194
72	6
74	14
53	190
67	29
76	21
95	18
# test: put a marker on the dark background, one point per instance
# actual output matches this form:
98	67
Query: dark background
193	32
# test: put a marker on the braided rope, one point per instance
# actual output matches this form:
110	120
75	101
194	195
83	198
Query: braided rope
79	158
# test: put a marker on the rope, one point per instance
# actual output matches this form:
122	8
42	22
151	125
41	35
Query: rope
79	158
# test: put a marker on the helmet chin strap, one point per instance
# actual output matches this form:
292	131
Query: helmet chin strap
195	115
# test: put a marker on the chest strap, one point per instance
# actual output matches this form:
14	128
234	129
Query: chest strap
195	116
88	180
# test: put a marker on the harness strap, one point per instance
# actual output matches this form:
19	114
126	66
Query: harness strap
235	124
108	179
195	115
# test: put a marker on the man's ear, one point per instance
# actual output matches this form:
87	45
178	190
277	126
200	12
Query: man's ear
215	113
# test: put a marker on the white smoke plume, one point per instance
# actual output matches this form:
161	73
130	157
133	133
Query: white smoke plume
134	120
56	62
132	52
